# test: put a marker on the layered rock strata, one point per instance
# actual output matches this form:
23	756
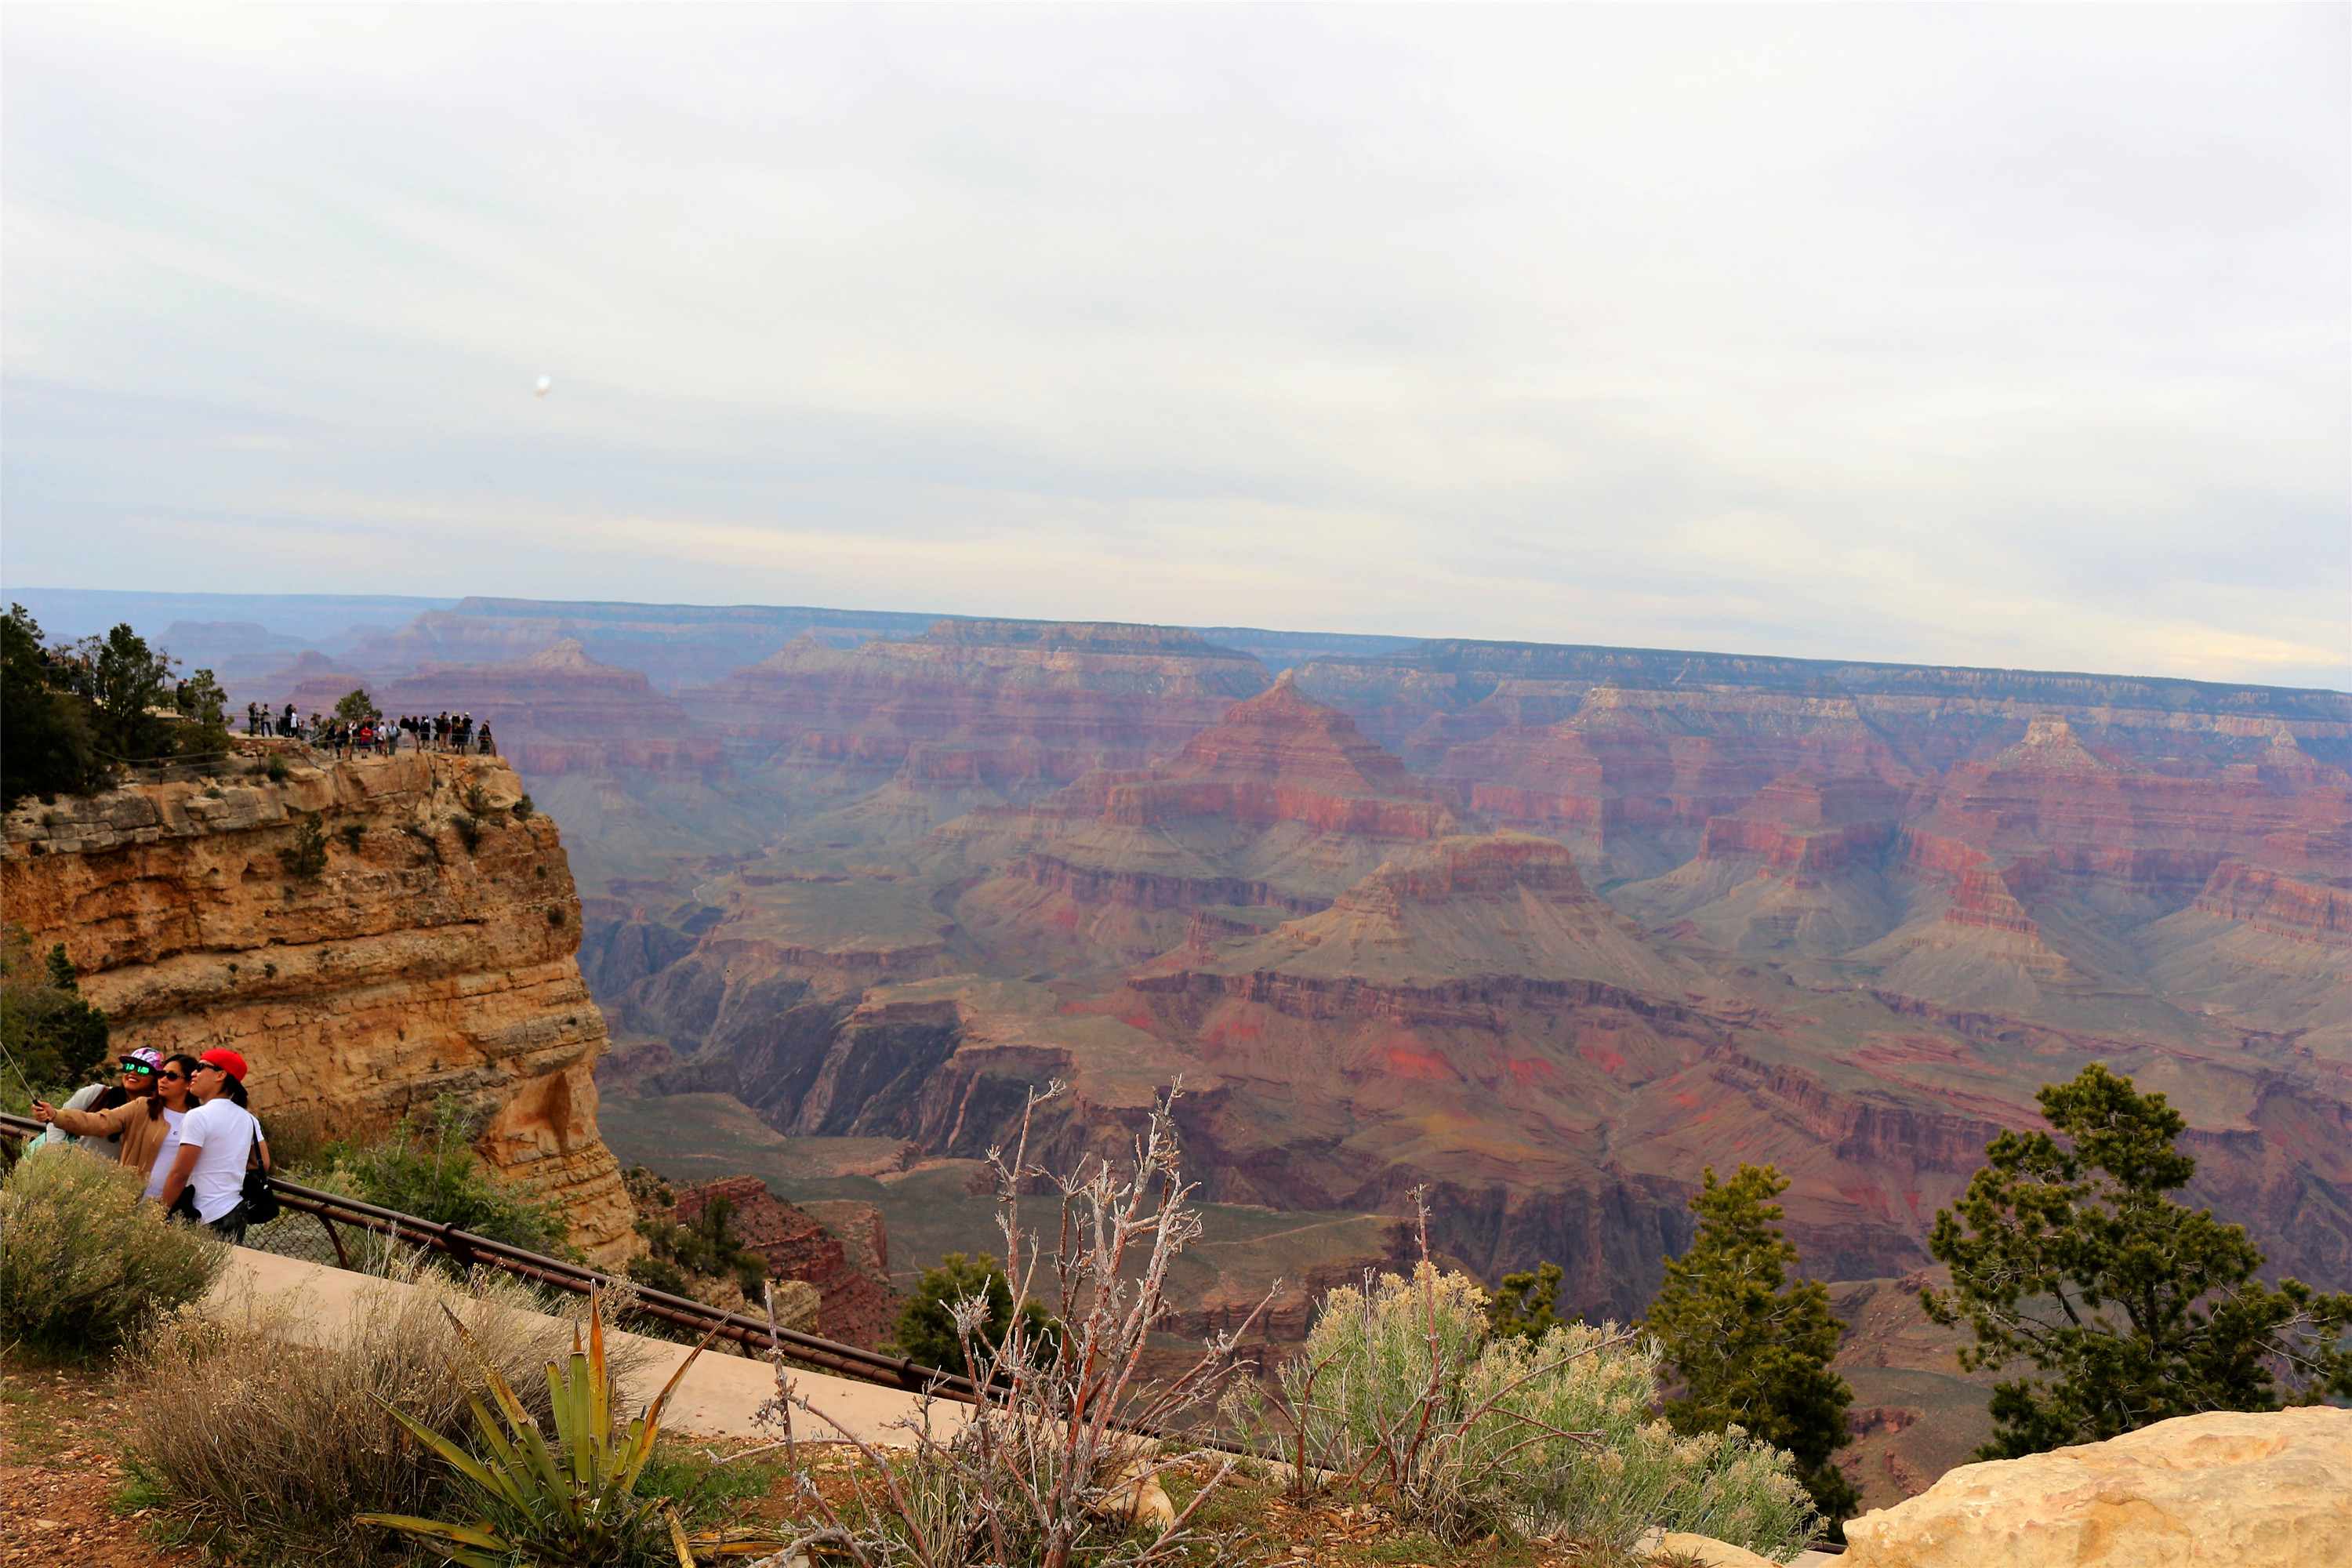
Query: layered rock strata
1277	807
843	1252
426	949
971	713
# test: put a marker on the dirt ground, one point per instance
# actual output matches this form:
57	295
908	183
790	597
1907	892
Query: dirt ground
62	1475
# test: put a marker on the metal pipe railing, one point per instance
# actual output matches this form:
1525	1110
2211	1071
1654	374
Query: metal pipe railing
833	1355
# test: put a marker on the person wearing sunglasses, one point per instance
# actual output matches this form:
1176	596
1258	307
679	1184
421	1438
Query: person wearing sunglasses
134	1080
143	1131
219	1140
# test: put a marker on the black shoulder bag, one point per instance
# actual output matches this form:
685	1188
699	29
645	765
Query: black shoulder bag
260	1197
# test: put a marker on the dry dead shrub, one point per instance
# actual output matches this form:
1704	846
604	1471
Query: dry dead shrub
1060	1461
262	1431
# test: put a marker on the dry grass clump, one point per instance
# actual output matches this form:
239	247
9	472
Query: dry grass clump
1401	1393
254	1438
84	1265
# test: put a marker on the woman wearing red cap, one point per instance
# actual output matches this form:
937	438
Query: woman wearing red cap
219	1140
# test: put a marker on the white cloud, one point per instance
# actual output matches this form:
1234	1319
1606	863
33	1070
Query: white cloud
2003	335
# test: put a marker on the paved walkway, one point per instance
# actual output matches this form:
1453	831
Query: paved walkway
718	1398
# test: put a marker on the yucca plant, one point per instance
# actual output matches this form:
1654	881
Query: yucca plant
572	1504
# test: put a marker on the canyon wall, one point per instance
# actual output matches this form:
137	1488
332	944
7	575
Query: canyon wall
1563	966
1545	928
427	950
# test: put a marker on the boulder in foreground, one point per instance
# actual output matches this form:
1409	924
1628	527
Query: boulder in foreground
2248	1490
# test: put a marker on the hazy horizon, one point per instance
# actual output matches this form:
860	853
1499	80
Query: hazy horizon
2011	337
319	617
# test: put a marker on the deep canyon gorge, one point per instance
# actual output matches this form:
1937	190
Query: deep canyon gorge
1545	929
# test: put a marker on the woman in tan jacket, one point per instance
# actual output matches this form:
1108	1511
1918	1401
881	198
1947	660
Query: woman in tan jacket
148	1127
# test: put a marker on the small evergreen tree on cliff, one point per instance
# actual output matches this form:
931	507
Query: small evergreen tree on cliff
1751	1349
926	1333
201	699
1526	1306
2069	1256
45	735
123	679
55	1038
356	708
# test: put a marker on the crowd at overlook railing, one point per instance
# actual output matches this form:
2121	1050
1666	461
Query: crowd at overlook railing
364	733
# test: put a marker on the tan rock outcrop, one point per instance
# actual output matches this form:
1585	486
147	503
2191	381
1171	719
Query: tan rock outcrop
1685	1547
2245	1490
412	964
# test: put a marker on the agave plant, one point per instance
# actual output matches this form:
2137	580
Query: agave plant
573	1503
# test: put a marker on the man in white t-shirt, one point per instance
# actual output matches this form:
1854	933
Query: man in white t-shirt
217	1140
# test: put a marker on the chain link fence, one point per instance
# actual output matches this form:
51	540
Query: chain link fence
296	1235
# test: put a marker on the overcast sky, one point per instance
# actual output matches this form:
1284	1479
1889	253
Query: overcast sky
1998	334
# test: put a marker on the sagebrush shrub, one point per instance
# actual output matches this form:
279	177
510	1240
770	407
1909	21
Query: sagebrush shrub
1400	1387
262	1430
84	1266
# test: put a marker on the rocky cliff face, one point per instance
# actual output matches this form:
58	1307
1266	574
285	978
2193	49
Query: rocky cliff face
839	1248
429	950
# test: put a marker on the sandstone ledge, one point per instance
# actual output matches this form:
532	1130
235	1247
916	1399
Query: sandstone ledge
2224	1488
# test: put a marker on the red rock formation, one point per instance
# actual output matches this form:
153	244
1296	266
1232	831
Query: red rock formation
1634	773
2272	900
1896	901
1280	804
852	1279
1805	824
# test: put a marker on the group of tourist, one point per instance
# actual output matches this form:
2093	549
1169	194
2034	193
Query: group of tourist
289	725
180	1122
375	737
448	732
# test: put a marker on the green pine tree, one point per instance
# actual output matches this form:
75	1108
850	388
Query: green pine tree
46	745
1751	1349
56	1040
356	708
200	698
2069	1256
124	680
1524	1307
926	1333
